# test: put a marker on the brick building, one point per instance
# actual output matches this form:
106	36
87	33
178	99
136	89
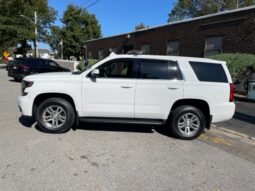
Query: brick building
229	32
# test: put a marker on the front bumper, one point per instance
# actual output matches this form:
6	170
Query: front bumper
25	105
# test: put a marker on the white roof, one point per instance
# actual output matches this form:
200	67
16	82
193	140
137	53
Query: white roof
182	21
160	57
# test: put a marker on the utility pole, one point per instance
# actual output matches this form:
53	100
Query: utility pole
36	33
86	51
61	43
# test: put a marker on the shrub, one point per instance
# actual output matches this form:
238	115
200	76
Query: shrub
238	64
82	66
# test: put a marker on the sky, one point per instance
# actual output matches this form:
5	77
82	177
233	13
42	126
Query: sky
120	16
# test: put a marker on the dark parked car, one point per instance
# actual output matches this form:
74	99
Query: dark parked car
21	67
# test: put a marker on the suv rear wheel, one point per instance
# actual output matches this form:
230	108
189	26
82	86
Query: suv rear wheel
55	115
187	122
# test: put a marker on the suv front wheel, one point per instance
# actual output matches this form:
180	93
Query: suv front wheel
55	115
187	122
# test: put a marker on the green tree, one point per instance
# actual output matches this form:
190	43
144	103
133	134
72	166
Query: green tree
79	26
15	29
185	9
54	39
140	27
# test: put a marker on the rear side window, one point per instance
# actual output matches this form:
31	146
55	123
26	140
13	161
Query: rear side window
20	61
209	72
159	69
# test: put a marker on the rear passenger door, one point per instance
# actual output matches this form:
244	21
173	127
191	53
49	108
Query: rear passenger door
159	85
39	66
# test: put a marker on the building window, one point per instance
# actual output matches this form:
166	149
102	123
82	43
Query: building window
213	45
90	54
115	50
145	49
173	48
101	54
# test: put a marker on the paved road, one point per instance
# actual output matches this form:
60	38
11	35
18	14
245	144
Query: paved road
114	157
244	119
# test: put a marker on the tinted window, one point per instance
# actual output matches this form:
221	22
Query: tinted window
157	69
37	62
174	71
52	63
118	69
154	69
208	72
20	61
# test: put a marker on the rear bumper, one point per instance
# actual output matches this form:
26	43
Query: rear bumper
223	112
25	105
18	76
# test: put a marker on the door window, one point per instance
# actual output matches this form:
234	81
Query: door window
118	69
157	69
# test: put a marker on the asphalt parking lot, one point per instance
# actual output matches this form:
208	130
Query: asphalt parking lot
117	157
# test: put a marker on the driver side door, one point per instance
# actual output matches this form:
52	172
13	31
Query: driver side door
112	93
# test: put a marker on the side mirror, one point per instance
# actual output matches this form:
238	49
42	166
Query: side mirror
95	73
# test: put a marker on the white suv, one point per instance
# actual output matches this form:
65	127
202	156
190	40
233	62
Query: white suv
185	94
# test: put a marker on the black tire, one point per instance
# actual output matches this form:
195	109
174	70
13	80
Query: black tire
55	102
16	79
176	117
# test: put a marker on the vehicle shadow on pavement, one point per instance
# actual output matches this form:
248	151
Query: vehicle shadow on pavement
29	122
114	127
13	81
125	128
245	117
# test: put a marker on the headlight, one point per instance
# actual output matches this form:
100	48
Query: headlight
24	85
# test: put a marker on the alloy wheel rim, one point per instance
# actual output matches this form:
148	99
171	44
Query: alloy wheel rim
54	117
188	124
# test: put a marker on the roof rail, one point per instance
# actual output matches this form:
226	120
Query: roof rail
135	52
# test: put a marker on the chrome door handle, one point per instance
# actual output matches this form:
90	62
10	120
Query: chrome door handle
172	88
126	87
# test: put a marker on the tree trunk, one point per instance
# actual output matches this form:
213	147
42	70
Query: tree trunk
24	47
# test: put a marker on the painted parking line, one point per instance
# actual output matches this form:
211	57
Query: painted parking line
214	139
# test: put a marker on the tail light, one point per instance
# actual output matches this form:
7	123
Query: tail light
232	92
24	67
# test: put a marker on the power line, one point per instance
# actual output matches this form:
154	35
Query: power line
92	4
107	5
85	3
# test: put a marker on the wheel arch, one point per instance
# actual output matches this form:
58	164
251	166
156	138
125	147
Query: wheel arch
198	103
41	97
